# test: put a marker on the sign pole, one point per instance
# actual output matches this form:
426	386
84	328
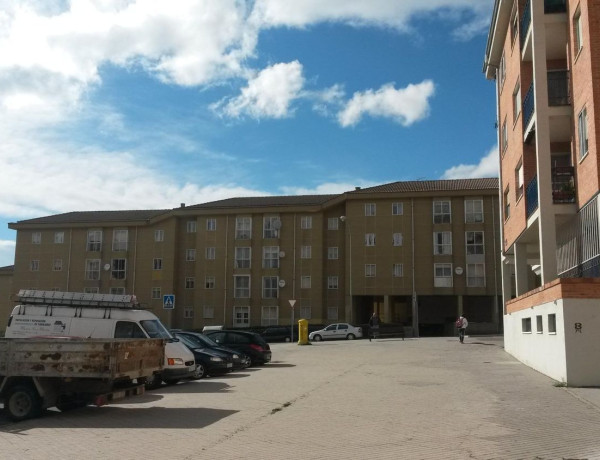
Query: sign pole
292	303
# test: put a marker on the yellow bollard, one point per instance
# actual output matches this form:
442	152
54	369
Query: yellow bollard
303	332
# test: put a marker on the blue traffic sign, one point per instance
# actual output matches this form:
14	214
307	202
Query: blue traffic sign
169	301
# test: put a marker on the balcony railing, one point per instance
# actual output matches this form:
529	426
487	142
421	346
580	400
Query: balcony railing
558	88
555	6
525	22
531	196
528	106
563	184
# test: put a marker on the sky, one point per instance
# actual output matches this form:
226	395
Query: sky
146	104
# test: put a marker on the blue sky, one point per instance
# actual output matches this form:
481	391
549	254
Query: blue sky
124	104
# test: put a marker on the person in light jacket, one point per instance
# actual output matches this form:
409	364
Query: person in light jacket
461	324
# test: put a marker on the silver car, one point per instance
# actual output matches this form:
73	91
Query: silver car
336	331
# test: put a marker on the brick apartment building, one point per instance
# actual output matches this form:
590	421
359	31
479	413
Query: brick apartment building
418	252
544	56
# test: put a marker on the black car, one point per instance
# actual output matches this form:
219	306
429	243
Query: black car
277	334
240	360
208	362
247	342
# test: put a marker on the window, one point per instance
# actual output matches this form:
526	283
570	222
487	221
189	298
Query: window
504	139
36	238
333	223
128	330
305	312
441	212
306	222
190	255
94	240
34	265
442	275
519	180
59	237
188	312
442	243
119	267
271	257
208	311
117	290
578	31
270	316
211	253
514	26
305	252
539	324
92	269
370	270
242	257
397	209
473	211
190	226
474	242
157	264
398	271
271	226
552	323
190	282
91	290
241	286
57	265
241	316
270	287
526	325
119	242
211	225
305	282
506	203
159	235
397	239
475	275
209	282
370	209
155	294
516	101
243	228
332	313
332	282
369	239
332	253
502	70
583	133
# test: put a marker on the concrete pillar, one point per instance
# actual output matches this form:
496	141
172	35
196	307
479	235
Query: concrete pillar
387	313
521	269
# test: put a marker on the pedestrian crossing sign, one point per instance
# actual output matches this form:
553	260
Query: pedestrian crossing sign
169	301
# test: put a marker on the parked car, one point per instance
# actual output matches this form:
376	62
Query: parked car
247	342
208	362
336	331
277	333
240	360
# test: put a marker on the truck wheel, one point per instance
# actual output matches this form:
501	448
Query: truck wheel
23	402
153	382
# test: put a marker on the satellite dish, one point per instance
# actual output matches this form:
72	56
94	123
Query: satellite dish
281	253
277	224
458	270
281	283
106	267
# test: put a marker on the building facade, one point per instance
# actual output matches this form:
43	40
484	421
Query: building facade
543	56
418	253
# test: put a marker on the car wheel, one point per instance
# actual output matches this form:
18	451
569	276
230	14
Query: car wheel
23	402
317	338
199	372
350	337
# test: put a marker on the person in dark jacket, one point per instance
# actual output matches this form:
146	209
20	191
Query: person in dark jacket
374	326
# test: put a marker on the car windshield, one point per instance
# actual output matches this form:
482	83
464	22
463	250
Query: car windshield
155	329
193	340
208	342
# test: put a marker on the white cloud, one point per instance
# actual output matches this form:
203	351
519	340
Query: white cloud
487	167
328	188
405	106
7	252
267	95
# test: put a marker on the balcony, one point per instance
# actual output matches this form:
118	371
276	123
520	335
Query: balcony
555	6
550	7
528	107
531	196
525	22
558	88
563	184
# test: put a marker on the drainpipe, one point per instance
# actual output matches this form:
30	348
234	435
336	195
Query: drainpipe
415	307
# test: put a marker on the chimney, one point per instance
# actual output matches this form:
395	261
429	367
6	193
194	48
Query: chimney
182	205
356	188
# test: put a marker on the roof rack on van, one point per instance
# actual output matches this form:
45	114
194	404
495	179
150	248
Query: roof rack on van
76	299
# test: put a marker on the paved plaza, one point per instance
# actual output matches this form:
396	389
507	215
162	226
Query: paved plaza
427	398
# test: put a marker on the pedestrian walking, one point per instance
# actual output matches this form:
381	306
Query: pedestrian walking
461	324
373	326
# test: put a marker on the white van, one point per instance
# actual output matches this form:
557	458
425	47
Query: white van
98	316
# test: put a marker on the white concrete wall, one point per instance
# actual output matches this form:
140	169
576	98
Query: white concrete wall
544	352
583	348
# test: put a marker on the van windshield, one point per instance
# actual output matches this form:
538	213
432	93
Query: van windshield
155	329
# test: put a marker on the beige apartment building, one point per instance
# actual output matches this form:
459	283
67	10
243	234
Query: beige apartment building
544	57
419	253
